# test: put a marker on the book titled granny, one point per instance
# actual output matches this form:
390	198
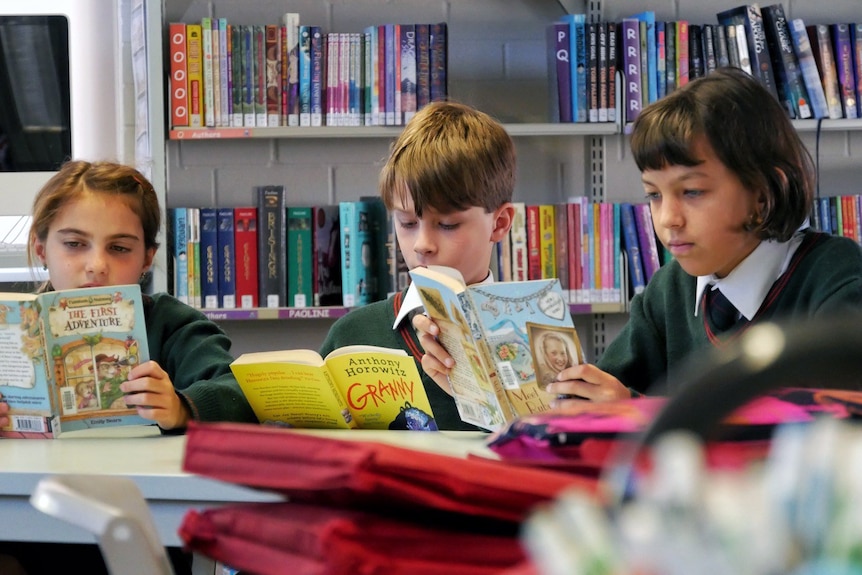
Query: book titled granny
360	386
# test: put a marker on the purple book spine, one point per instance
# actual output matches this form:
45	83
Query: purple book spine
562	69
632	68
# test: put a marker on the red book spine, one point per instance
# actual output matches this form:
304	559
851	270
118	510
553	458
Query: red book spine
534	241
245	240
179	79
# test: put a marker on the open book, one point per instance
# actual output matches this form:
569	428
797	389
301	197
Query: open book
63	356
508	341
359	386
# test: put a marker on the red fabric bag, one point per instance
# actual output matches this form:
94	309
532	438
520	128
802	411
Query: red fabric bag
349	473
295	538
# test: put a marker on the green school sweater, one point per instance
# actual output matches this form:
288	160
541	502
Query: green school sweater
196	354
372	325
824	277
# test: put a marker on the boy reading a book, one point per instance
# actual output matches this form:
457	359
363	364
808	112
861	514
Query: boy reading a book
730	187
448	183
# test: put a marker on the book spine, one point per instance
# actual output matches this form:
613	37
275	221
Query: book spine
632	248
829	72
347	217
248	81
790	84
632	68
207	59
646	237
547	241
670	56
604	99
856	43
573	249
520	250
272	268
318	83
260	75
682	54
592	36
226	259
644	54
245	246
368	77
396	47
617	293
722	58
331	78
661	59
218	76
761	61
194	239
291	22
180	254
695	51
194	51
408	71
606	212
304	75
559	78
742	46
299	261
235	35
209	257
283	71
438	47
808	67
845	71
709	55
179	79
272	49
327	255
561	251
534	243
648	18
357	88
613	58
596	253
229	74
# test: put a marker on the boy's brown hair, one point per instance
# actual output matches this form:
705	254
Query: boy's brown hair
450	157
750	133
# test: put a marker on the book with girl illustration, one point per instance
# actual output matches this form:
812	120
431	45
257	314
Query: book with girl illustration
64	355
508	340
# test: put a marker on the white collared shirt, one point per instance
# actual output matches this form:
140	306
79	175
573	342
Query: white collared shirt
412	301
747	285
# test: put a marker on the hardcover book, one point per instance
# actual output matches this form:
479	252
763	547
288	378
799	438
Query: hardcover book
245	248
508	341
327	256
358	386
65	354
272	246
358	264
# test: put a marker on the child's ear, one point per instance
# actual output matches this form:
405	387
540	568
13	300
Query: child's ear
503	217
148	259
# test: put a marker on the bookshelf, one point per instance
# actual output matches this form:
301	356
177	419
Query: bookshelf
497	62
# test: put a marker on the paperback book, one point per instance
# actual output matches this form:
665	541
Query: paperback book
508	340
64	355
360	386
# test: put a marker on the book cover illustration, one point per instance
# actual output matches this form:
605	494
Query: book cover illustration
485	329
363	387
65	354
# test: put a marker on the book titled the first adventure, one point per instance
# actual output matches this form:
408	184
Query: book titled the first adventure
508	340
360	386
63	356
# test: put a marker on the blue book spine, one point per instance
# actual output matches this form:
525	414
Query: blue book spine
617	253
810	74
180	254
209	257
349	261
632	248
226	259
579	52
652	62
304	75
389	51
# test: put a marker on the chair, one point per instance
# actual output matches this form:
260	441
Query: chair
115	511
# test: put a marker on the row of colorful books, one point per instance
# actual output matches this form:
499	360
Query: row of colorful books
815	71
601	252
839	215
275	255
288	74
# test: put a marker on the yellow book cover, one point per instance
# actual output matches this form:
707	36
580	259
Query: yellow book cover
360	386
547	239
194	55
